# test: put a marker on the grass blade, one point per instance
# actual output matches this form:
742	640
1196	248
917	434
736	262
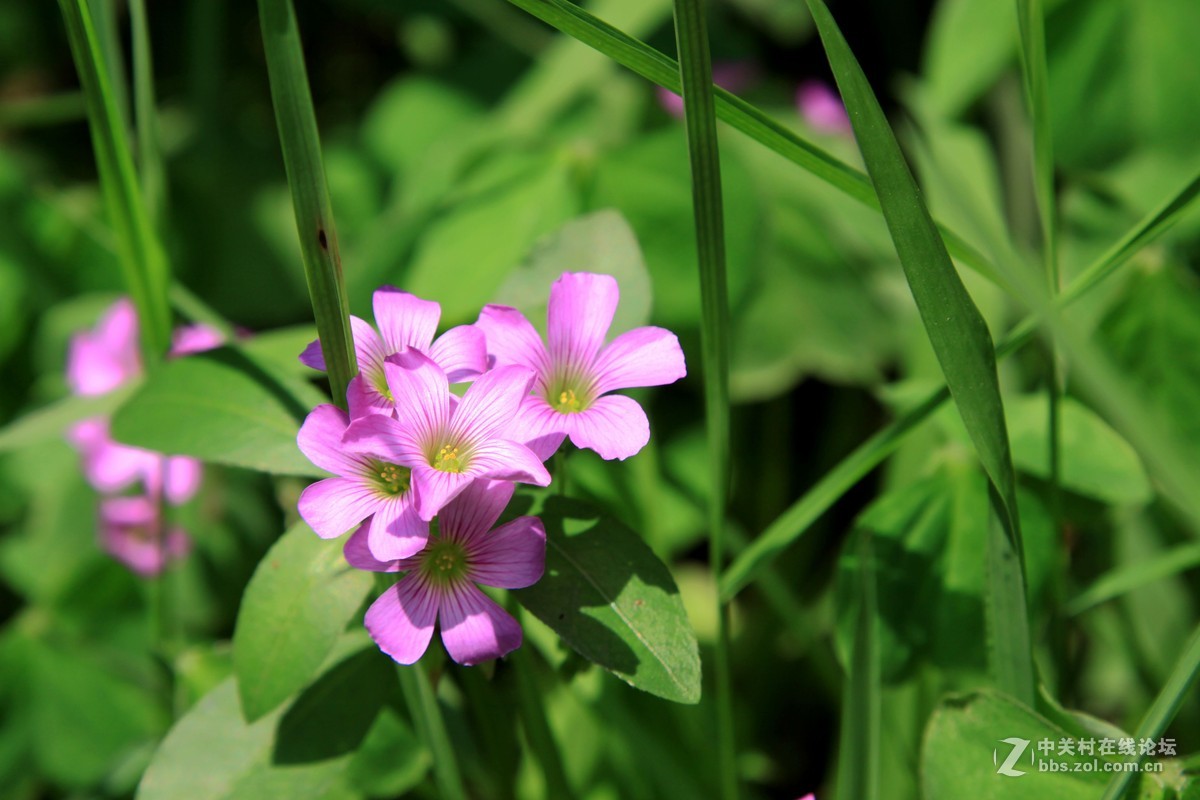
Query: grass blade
146	117
793	522
695	69
963	347
1163	710
1125	579
142	258
652	65
297	123
427	717
858	759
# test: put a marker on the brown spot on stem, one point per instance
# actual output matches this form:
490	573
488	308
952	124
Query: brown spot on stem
322	239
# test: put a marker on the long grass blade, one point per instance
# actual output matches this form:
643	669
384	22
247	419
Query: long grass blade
858	759
795	521
963	347
1125	579
301	144
140	253
695	66
660	69
1163	710
145	115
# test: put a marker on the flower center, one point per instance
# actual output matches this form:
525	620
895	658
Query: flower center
391	478
444	561
567	402
448	459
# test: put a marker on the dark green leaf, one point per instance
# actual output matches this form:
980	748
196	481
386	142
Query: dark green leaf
611	600
224	407
298	602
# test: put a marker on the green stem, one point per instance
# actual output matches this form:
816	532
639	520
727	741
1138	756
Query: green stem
300	141
427	716
537	728
695	74
146	117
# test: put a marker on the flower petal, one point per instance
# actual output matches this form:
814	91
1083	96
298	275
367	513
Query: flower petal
358	552
474	628
461	353
384	438
511	339
182	479
369	349
422	395
335	505
397	531
475	511
113	467
104	358
313	356
640	357
511	557
538	426
507	461
579	315
320	439
363	399
490	404
189	339
614	426
404	319
401	619
436	488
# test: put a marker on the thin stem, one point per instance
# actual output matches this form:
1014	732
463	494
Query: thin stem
537	729
695	73
427	716
145	116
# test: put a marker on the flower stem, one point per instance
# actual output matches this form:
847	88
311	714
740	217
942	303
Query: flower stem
537	728
427	716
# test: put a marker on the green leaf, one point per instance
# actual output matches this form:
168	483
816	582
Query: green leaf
300	599
223	407
411	116
1095	461
301	144
601	242
213	754
963	750
965	53
463	257
52	421
961	342
612	601
84	716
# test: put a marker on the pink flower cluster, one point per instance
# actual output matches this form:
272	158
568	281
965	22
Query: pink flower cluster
131	526
422	474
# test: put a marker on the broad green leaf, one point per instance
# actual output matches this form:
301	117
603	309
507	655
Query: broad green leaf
52	421
600	241
612	601
281	348
220	406
213	754
300	599
390	760
1095	460
963	750
411	116
650	184
463	257
84	716
966	51
960	339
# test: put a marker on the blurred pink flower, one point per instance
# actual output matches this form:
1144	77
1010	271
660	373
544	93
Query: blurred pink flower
131	530
189	339
440	584
822	108
105	357
733	76
404	320
576	370
113	467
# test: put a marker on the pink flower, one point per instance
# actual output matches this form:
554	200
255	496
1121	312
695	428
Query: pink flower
131	530
370	486
189	339
113	467
733	76
404	321
440	584
445	442
106	357
577	370
822	108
